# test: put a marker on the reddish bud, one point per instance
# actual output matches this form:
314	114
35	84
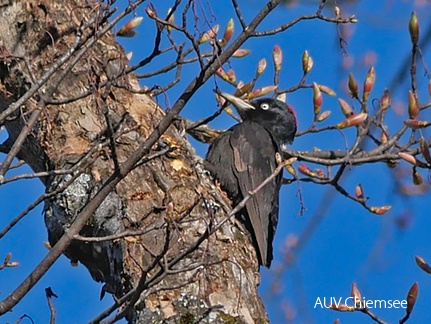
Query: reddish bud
408	157
423	264
320	173
416	124
359	192
414	28
307	62
302	168
352	120
222	74
385	100
261	66
323	115
327	90
413	106
425	150
277	57
353	86
231	76
345	107
240	53
412	296
383	138
261	92
380	210
370	79
317	99
356	295
228	32
210	34
127	29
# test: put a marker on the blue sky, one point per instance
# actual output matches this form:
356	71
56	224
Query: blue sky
349	244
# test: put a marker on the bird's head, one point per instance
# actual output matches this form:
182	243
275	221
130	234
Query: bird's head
278	118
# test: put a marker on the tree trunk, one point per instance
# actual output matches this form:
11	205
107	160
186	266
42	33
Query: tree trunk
85	116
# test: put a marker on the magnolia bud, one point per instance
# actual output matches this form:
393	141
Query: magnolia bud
380	210
240	53
413	106
228	32
356	295
261	91
317	99
307	62
359	192
352	120
345	107
385	100
323	115
277	57
127	29
411	297
327	90
416	124
261	66
408	157
414	28
353	86
209	34
370	79
423	264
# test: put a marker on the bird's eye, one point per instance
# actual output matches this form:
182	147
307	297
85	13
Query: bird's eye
264	106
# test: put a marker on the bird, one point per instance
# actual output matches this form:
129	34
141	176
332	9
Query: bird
242	157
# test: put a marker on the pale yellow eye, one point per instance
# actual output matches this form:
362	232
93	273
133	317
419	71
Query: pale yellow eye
264	106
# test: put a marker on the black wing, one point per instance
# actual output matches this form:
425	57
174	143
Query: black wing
219	161
254	161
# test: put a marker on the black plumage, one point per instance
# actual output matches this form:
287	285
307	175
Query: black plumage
244	156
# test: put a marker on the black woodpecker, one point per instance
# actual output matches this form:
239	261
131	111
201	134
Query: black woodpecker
244	156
